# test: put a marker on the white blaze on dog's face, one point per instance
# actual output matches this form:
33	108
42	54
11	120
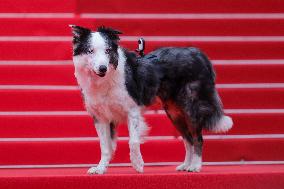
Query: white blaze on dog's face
98	50
98	57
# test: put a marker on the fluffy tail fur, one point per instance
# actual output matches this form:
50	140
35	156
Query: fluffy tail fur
223	125
215	121
219	123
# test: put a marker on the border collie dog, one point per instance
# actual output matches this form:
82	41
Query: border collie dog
116	85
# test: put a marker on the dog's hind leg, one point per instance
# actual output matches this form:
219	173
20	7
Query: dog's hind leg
137	129
188	156
178	119
196	161
193	140
104	133
201	110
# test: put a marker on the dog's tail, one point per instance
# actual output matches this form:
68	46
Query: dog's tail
214	119
223	125
218	122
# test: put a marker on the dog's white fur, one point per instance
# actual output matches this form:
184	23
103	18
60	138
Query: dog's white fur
224	125
106	99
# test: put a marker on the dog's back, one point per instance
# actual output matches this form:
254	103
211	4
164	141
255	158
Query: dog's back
184	63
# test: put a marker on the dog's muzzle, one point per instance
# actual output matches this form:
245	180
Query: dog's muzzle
102	71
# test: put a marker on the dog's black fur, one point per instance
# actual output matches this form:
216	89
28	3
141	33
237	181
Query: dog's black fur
184	80
80	39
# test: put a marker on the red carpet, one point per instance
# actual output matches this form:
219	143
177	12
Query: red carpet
64	74
66	100
163	150
129	6
61	50
166	27
212	177
30	126
43	122
38	6
182	6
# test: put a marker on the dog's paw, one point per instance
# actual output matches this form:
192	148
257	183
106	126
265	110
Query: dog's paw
182	167
137	163
139	168
136	157
194	167
97	170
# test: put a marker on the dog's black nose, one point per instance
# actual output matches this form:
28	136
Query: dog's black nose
103	69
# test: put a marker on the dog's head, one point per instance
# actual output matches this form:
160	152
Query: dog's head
99	49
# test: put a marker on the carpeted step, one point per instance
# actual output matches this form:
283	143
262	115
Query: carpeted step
38	74
182	6
211	177
56	124
252	98
13	73
62	50
146	27
70	99
87	151
249	73
31	50
38	6
163	177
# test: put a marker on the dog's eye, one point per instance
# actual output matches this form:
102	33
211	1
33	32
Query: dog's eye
90	51
108	51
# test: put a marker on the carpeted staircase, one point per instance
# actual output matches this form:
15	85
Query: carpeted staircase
47	140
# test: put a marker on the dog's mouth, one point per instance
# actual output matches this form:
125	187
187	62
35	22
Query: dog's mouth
98	74
101	74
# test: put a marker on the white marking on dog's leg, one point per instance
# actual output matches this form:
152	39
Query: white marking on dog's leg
196	162
103	131
188	156
136	127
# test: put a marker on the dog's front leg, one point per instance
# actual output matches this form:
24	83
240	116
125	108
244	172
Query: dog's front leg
103	131
136	126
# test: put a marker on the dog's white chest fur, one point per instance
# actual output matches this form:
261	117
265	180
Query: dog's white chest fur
105	97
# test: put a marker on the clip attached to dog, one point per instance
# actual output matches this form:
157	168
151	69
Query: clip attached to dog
141	47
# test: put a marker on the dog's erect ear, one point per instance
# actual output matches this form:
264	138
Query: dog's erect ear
79	32
111	33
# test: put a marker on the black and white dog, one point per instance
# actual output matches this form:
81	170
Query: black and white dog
116	85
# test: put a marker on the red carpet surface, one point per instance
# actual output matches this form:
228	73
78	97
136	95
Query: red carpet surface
74	124
44	127
222	50
165	27
80	151
182	6
41	99
57	74
212	177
